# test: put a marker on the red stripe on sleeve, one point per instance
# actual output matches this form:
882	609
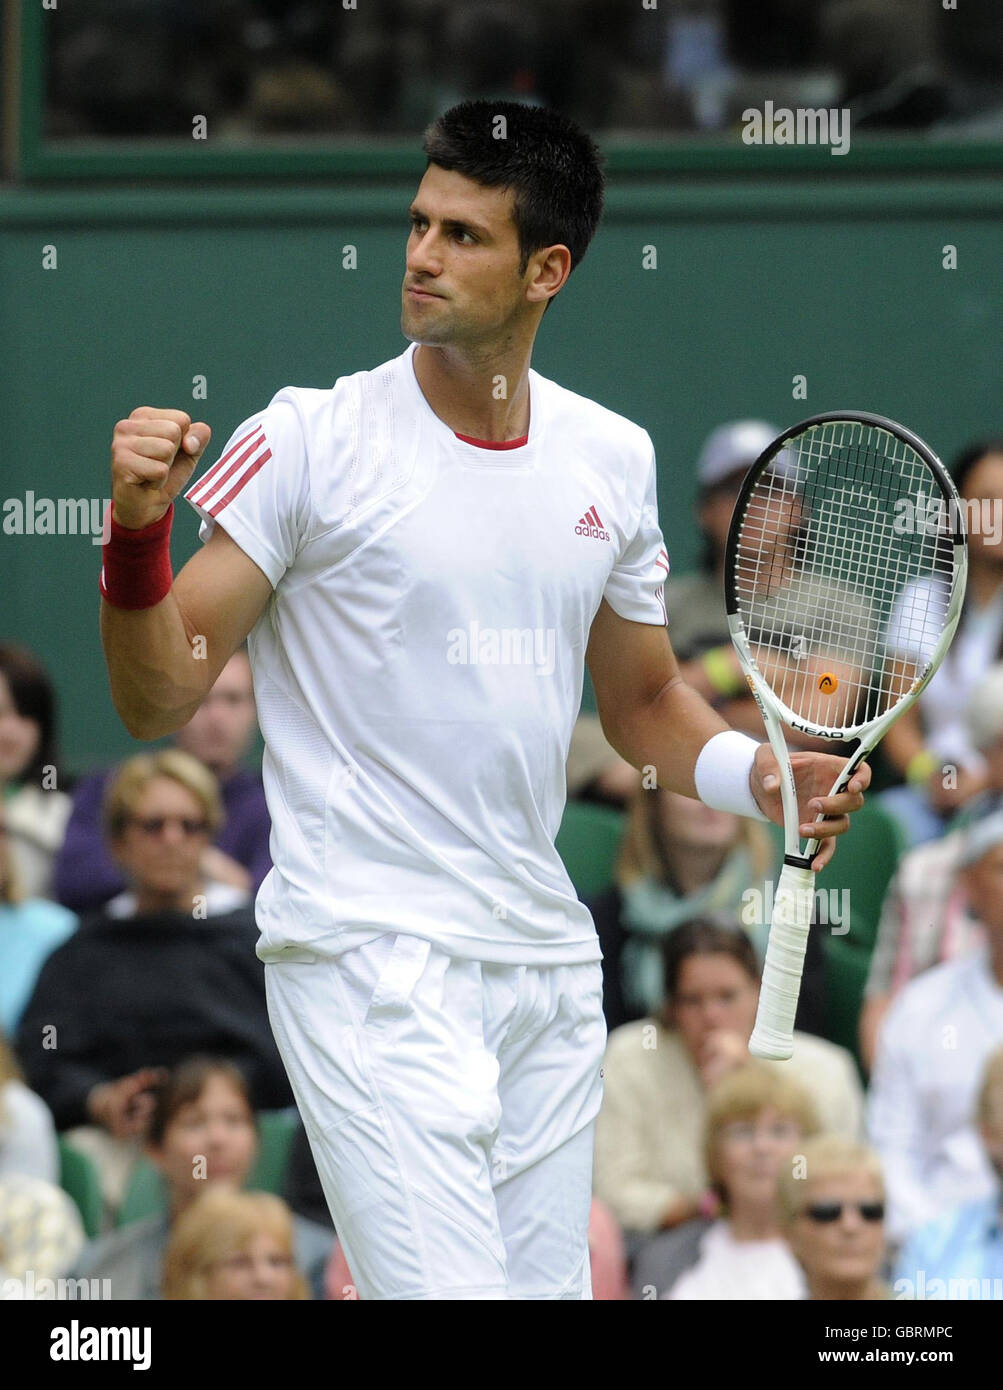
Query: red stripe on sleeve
217	507
203	498
220	462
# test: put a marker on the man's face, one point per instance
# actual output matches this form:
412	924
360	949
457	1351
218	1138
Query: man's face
463	248
220	731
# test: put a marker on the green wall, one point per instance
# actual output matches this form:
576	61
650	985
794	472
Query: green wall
840	280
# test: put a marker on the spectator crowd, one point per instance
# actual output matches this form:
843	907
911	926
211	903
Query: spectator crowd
148	1136
264	68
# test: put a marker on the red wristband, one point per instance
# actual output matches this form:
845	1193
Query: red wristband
136	569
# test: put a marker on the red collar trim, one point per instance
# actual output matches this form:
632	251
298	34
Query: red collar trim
490	444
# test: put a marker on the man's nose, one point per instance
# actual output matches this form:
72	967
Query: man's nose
423	255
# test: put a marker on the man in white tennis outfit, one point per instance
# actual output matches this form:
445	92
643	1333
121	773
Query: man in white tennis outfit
423	558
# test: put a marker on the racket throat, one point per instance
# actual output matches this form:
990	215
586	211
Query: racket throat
799	861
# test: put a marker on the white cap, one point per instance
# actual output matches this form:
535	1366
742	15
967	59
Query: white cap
732	447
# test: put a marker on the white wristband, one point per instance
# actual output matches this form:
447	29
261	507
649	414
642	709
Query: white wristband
722	774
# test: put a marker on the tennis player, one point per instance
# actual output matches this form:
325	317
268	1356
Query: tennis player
423	558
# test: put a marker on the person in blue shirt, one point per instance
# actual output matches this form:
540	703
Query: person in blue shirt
960	1254
30	930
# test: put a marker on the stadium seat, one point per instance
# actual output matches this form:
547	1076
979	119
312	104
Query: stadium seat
588	842
276	1129
79	1179
145	1195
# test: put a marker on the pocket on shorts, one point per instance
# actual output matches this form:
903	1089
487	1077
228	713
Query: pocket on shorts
397	979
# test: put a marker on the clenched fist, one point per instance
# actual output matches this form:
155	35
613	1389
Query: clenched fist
153	454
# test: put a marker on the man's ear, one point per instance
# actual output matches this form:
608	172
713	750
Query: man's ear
550	268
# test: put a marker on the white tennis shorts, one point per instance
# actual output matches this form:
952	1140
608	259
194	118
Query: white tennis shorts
450	1106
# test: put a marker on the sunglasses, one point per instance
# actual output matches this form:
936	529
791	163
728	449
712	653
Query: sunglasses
154	825
824	1213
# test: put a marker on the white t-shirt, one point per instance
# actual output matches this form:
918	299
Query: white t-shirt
914	629
419	667
740	1269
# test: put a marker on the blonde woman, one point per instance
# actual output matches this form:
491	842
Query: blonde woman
833	1206
757	1118
236	1246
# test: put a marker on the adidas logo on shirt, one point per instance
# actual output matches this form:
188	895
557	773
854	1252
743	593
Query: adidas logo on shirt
590	525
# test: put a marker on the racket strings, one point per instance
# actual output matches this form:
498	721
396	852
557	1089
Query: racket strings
844	569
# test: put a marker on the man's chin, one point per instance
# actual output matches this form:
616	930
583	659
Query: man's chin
424	334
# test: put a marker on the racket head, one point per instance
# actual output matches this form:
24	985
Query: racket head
844	572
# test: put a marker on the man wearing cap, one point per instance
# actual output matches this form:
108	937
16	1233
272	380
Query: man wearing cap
925	917
695	605
934	1043
695	602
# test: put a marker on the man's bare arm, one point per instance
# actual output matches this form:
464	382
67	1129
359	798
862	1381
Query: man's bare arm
655	720
648	712
158	671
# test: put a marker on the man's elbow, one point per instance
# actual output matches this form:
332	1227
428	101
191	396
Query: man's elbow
150	724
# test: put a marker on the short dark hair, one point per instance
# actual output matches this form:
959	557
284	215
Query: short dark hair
551	164
970	455
34	698
185	1084
709	935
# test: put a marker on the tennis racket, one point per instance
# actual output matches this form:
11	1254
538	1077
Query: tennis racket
845	575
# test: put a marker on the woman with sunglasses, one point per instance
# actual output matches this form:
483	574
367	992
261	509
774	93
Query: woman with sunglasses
833	1203
164	971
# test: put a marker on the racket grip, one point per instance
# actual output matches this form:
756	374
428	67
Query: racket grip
773	1035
